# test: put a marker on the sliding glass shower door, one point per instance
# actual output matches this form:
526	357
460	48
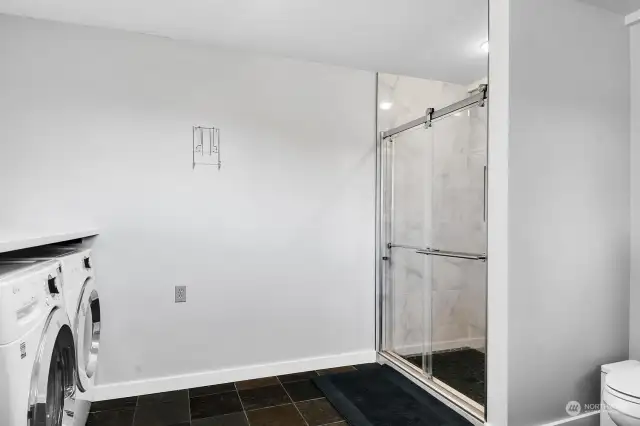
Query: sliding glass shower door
458	281
409	278
434	234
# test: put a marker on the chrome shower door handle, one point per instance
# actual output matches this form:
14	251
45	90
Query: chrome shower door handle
484	194
453	254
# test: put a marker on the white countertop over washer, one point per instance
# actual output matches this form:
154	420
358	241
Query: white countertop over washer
16	240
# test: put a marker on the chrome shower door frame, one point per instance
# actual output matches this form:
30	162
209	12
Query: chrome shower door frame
384	246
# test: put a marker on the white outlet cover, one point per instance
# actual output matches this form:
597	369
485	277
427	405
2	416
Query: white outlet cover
181	293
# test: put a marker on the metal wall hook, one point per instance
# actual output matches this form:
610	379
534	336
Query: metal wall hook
206	146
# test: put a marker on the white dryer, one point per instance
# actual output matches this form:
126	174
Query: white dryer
83	308
37	352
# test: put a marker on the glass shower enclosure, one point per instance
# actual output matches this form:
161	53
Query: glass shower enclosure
432	245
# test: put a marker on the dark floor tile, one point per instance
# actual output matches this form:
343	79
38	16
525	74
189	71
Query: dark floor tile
235	419
335	370
257	383
297	376
302	390
318	412
263	397
284	415
111	418
163	414
114	404
156	398
211	390
215	405
371	366
462	369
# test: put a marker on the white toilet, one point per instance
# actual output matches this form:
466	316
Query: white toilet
620	394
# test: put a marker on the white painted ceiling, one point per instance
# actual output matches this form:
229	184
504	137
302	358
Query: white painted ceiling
622	7
437	39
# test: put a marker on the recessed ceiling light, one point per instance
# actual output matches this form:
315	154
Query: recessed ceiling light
386	105
485	46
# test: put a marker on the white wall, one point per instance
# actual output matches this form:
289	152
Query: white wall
276	249
568	211
497	409
634	323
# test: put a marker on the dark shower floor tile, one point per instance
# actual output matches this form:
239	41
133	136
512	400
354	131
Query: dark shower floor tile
283	415
268	396
415	360
215	405
461	369
111	418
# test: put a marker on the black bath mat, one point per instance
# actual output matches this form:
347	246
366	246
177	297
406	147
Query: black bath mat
383	397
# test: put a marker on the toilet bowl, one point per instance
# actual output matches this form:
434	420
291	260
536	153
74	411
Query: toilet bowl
621	396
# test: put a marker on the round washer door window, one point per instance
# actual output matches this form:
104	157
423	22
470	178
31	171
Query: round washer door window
87	332
52	392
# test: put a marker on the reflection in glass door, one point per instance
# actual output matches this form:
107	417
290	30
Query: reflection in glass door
434	235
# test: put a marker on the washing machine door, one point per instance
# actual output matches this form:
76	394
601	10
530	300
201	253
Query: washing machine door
86	329
52	389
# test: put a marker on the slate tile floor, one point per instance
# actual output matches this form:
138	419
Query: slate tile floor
289	400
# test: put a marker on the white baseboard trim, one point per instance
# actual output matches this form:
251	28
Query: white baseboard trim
572	419
207	378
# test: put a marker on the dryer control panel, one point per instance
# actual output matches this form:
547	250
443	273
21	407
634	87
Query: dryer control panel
27	295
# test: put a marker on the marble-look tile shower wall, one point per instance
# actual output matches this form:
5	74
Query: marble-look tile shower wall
438	199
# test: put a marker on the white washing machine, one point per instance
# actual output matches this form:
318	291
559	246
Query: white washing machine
83	308
37	352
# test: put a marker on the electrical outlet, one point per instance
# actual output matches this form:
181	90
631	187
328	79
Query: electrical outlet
181	293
